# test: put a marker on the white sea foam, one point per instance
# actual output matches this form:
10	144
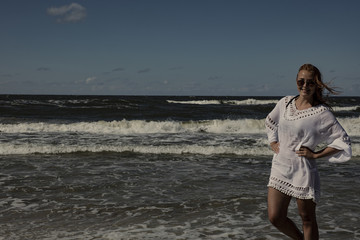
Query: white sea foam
239	137
351	126
227	126
216	226
346	109
28	148
140	127
252	101
249	101
255	150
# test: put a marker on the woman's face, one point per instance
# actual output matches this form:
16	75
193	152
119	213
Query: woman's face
306	83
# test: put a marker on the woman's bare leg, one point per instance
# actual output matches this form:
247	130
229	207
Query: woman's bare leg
278	204
308	216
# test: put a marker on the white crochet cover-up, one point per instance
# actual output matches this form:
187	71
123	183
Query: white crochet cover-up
292	128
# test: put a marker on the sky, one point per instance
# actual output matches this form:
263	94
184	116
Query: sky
176	47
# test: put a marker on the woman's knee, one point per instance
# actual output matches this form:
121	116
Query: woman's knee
307	211
277	219
308	218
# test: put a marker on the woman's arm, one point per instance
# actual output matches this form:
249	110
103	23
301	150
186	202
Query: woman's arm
334	136
306	152
272	121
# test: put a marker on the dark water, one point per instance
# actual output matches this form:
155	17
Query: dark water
100	167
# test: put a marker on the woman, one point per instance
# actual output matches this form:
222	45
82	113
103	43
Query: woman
295	127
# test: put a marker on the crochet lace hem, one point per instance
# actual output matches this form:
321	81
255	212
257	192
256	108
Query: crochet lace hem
293	191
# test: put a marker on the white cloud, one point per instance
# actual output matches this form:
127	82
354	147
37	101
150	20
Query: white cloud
73	12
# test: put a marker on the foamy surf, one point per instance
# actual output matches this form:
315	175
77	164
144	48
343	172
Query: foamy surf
140	127
8	149
205	137
227	126
346	109
250	101
256	147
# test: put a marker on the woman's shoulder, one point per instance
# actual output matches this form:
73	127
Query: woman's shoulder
323	108
326	113
326	110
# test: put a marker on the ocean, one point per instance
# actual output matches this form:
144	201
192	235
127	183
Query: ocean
155	167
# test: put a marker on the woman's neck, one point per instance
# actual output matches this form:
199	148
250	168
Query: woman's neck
302	102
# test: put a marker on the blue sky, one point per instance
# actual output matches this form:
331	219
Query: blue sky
176	47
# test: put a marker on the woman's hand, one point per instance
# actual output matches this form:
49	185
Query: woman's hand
306	152
275	146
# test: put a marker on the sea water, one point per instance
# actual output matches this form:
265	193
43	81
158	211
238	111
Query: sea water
146	167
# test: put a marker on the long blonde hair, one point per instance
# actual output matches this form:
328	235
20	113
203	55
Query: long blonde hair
320	85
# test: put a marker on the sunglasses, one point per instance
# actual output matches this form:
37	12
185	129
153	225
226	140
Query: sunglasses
309	83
